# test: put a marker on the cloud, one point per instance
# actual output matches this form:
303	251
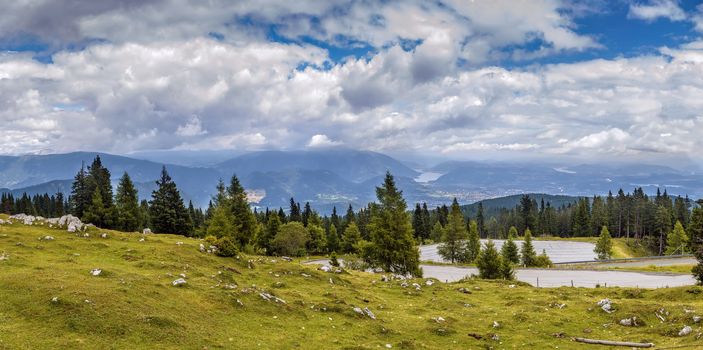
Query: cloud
320	141
193	127
656	9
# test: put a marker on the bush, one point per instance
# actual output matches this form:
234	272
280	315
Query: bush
489	262
333	259
542	260
291	239
225	247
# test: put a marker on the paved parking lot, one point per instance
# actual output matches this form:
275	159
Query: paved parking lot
558	251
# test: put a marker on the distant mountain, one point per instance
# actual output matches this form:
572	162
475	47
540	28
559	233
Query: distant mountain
354	166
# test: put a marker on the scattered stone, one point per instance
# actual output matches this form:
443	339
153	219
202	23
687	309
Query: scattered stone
146	231
141	239
179	243
388	346
47	238
696	319
96	272
331	281
629	322
304	274
429	282
55	300
495	337
476	336
359	311
417	286
202	248
103	235
178	282
269	297
439	319
404	284
369	313
286	258
4	256
325	268
464	290
384	278
511	286
496	324
606	305
230	286
686	330
183	275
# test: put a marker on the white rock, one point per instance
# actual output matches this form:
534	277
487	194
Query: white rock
178	282
369	313
359	311
429	282
55	299
96	272
388	346
103	235
686	330
325	268
4	256
179	243
202	247
496	324
696	319
627	322
146	231
606	305
439	319
48	238
141	239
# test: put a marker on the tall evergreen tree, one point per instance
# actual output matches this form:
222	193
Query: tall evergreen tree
98	179
127	205
676	240
473	243
392	245
480	220
96	213
510	252
352	237
243	219
453	247
167	213
528	250
295	214
265	239
332	239
489	262
80	197
604	245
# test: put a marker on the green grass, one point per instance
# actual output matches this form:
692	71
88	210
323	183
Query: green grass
622	247
682	269
132	305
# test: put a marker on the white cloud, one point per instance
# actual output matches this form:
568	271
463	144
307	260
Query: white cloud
193	127
321	140
656	9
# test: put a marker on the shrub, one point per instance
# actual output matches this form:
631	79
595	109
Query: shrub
291	239
225	247
542	260
333	259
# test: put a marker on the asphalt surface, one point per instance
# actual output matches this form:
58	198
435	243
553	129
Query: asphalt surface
557	251
645	262
563	277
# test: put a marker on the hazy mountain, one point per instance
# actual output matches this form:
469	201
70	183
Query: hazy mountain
355	166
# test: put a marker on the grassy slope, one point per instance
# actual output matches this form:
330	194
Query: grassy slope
133	305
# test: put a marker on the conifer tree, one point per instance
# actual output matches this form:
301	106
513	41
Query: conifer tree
80	197
127	205
392	245
220	224
528	250
95	213
265	239
512	232
604	244
60	210
489	262
243	219
473	244
295	215
676	240
318	241
453	247
352	236
167	213
332	239
509	251
480	220
437	232
98	179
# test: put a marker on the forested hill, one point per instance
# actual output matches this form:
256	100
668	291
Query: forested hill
493	205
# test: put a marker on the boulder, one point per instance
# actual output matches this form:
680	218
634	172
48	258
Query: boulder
369	313
429	282
178	282
359	311
325	268
629	322
686	330
146	231
606	305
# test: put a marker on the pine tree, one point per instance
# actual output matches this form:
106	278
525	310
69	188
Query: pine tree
295	215
80	197
489	262
392	245
243	219
265	239
512	232
509	251
127	205
480	220
307	213
98	179
437	232
676	240
695	225
473	244
528	250
604	245
167	213
318	241
352	237
453	247
220	224
332	239
95	213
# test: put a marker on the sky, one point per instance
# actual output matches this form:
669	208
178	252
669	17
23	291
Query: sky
460	79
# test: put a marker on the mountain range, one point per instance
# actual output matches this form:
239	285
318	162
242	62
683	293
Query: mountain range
339	177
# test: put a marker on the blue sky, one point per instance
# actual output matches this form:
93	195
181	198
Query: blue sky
454	79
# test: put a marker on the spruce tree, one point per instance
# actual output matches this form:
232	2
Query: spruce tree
676	240
453	247
437	232
295	215
98	179
167	213
473	244
60	210
243	219
392	245
352	236
489	262
509	251
220	224
95	213
265	239
80	197
604	244
127	205
332	239
512	232
528	250
480	220
318	241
